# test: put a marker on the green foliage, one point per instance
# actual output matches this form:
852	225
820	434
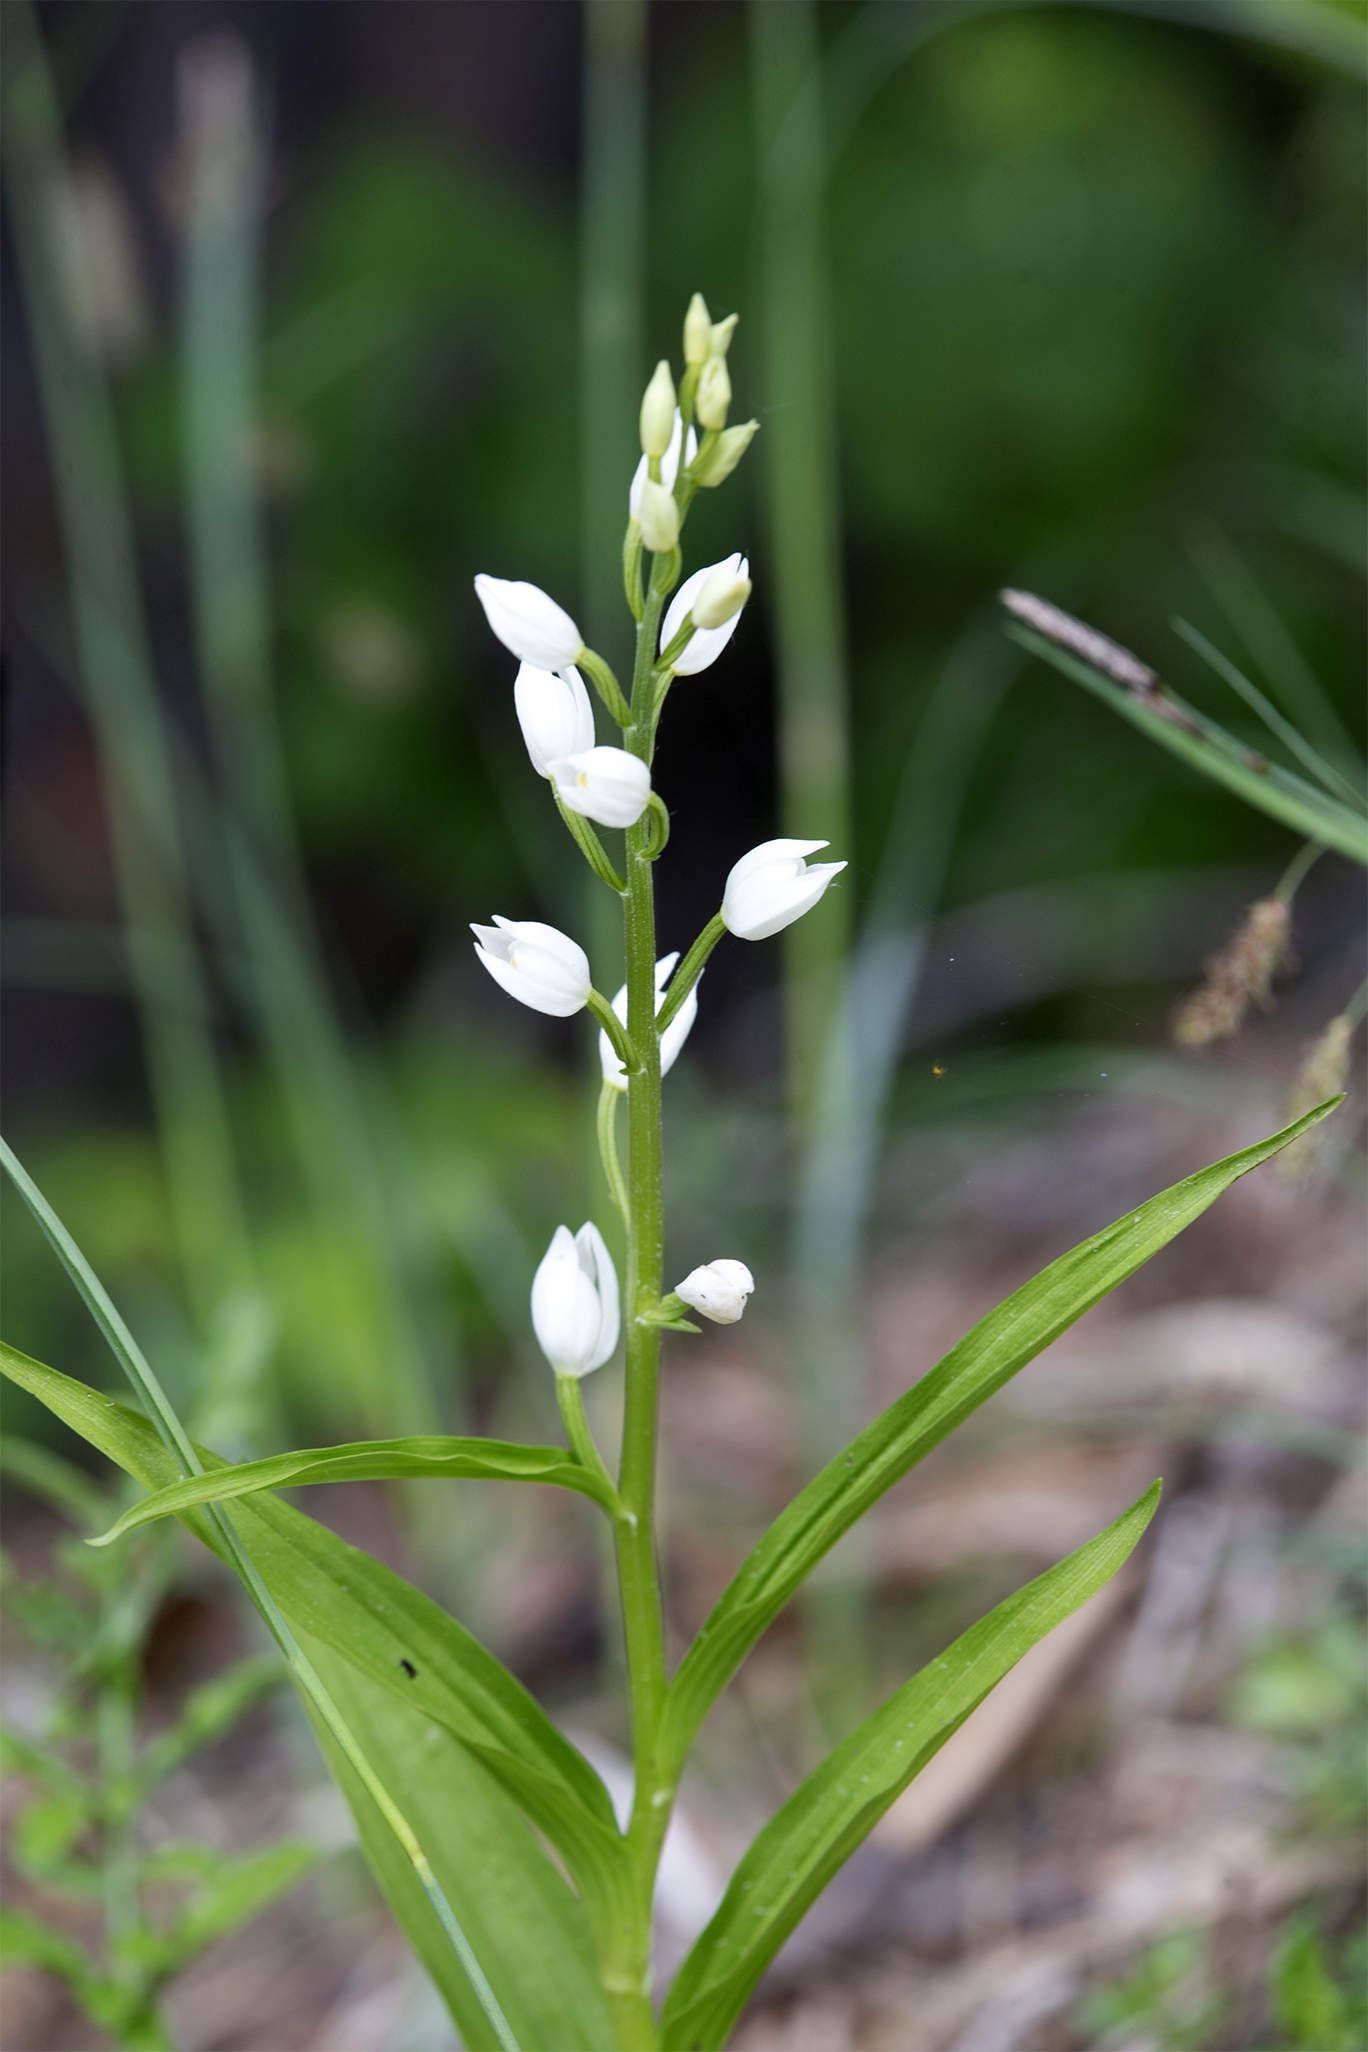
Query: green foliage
77	1834
986	1358
833	1811
1318	2009
1311	1692
1162	1998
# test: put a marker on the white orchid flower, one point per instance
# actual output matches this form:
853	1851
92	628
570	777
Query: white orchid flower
528	622
536	964
669	465
603	784
554	713
575	1310
772	886
719	1290
671	1040
708	642
658	411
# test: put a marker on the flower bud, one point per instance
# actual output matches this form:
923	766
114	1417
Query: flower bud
709	642
657	412
575	1308
671	1040
536	964
697	331
659	517
727	451
721	598
669	466
719	1290
554	713
772	886
714	394
719	341
603	784
533	626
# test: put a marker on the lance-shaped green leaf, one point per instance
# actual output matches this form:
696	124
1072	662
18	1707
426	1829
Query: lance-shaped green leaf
1000	1344
835	1809
1207	747
529	1931
418	1457
385	1627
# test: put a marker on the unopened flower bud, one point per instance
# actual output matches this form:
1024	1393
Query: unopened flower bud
714	394
722	596
658	412
719	342
669	465
536	964
772	886
533	626
659	517
697	331
708	642
727	451
575	1305
603	784
719	1290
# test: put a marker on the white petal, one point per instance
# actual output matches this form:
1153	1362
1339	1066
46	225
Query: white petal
669	468
709	642
597	1262
604	784
671	1040
719	1290
554	713
536	964
530	623
566	1312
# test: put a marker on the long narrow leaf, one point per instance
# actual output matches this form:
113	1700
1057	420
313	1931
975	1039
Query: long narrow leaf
383	1626
836	1807
1011	1335
1272	790
371	1460
526	1925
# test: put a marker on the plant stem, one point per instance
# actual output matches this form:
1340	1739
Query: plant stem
570	1397
608	1150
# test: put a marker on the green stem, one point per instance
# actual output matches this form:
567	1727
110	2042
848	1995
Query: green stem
570	1397
608	1150
690	969
1296	870
606	685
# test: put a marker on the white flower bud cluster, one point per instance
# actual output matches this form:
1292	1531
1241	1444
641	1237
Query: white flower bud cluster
575	1302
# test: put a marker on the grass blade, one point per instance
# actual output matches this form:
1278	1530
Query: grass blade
1307	756
177	1443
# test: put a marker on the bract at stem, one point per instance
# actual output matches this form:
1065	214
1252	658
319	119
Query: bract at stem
590	846
606	685
690	969
658	813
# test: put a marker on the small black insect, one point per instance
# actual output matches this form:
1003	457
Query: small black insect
409	1669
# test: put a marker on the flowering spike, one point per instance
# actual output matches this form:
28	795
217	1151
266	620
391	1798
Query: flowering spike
1241	975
